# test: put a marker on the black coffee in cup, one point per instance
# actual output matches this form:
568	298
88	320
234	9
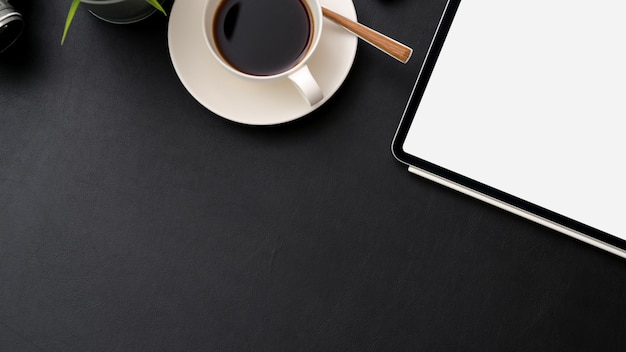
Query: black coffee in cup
262	37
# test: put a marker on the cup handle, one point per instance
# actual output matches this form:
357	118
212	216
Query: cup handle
307	85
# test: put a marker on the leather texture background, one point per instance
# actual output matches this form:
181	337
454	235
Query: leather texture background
133	219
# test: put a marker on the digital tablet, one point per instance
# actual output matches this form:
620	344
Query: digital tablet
522	104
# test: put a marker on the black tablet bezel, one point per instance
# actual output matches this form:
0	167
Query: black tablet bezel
448	175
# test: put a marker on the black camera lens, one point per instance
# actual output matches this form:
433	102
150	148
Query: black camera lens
11	25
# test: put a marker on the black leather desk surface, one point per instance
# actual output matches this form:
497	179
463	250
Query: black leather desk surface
133	219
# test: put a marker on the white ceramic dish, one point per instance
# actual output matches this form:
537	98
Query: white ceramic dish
255	103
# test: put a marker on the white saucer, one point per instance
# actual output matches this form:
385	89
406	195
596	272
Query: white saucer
255	103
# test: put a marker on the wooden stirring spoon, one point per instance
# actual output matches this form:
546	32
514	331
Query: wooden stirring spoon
389	46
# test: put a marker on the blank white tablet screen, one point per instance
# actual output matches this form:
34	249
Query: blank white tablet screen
529	97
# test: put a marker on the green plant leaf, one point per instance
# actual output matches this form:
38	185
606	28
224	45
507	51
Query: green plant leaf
70	17
157	6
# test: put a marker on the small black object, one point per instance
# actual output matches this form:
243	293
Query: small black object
11	25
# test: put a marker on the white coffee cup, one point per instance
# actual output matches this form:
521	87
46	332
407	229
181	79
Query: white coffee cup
298	73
